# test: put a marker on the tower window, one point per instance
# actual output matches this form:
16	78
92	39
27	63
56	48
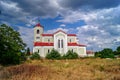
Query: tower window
38	50
38	31
37	37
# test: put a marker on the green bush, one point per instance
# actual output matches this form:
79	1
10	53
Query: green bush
105	53
53	55
70	55
9	58
35	56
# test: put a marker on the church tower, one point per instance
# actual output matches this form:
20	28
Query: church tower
38	31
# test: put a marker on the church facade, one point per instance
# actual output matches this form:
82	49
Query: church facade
60	41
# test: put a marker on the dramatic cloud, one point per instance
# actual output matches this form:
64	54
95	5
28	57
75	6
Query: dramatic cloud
101	19
89	4
26	11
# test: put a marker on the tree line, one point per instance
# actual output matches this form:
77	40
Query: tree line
108	53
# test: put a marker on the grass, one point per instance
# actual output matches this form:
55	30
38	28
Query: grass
77	69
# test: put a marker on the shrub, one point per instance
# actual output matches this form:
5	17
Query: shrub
97	54
9	59
35	56
70	55
105	53
53	55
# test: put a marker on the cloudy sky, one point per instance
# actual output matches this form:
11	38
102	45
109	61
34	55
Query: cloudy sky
96	22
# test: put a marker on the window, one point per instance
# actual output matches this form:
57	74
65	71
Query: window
37	37
70	40
48	40
58	43
62	43
38	31
48	51
72	50
38	50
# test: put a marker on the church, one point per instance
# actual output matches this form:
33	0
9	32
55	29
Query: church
59	40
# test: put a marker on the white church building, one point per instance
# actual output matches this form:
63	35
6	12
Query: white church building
60	41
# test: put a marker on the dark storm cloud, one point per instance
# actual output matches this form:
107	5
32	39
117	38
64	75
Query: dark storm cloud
94	4
20	10
48	8
37	7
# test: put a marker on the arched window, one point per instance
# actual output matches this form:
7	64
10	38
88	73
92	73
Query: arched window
38	50
38	31
58	43
62	43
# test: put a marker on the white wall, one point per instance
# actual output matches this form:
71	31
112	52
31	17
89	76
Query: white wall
57	36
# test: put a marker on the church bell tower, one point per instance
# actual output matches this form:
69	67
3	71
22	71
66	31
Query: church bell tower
38	31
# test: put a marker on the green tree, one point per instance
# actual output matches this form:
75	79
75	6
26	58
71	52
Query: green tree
11	45
35	56
97	54
117	52
118	49
53	55
107	53
28	51
70	55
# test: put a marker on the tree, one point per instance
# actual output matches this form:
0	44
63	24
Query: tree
28	51
106	53
97	54
53	55
70	55
118	49
11	45
35	56
117	52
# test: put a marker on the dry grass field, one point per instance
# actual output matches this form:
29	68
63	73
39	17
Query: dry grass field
78	69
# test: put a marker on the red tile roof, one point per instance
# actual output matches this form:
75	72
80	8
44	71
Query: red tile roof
59	31
71	34
90	52
53	34
75	44
47	34
38	25
43	44
52	44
